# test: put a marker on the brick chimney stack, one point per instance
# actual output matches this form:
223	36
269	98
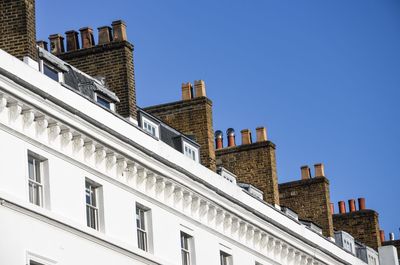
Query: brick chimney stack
18	28
112	58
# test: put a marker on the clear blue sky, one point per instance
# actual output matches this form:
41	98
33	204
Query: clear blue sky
322	76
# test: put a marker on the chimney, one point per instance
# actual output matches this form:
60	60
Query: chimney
319	170
305	172
105	35
261	133
187	91
352	205
382	235
42	44
361	203
231	137
342	207
119	29
246	136
332	208
56	44
87	38
218	140
200	88
114	61
18	28
391	236
72	40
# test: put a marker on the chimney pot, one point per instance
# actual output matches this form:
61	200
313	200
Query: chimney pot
105	35
72	40
119	29
391	236
42	44
246	136
382	235
352	205
87	37
56	44
305	172
332	208
342	207
219	139
231	137
200	88
187	91
319	170
361	203
261	133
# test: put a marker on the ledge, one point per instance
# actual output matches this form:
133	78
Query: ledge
244	147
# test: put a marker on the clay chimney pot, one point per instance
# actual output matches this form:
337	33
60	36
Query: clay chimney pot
352	205
261	133
246	136
56	44
342	207
231	137
72	40
319	170
105	35
200	88
361	203
87	37
119	29
218	140
305	172
187	91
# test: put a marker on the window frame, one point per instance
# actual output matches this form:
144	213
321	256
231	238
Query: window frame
195	150
98	96
43	63
225	258
38	259
93	207
152	124
187	249
39	179
144	231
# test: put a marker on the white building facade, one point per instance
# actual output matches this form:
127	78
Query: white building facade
81	185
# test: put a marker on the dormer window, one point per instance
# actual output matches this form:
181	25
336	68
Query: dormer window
104	102
191	151
50	71
150	127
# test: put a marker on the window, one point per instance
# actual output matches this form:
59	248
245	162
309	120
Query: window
50	71
150	127
225	258
103	102
142	224
36	179
92	205
187	249
190	151
32	262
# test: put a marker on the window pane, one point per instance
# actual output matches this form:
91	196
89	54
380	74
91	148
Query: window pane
103	102
53	74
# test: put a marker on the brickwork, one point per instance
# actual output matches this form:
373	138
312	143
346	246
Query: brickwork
17	27
363	225
191	117
395	243
114	61
254	164
310	199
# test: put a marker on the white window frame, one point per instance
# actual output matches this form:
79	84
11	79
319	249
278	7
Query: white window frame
225	258
93	208
143	227
187	248
156	127
187	146
40	182
112	105
38	259
42	63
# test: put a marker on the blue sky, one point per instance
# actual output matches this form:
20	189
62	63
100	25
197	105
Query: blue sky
322	76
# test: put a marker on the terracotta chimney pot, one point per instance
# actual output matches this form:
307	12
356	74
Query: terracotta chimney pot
231	137
72	40
342	207
261	133
105	35
246	136
319	170
56	44
305	172
332	208
200	88
352	205
87	37
218	140
119	29
187	91
382	235
42	44
361	203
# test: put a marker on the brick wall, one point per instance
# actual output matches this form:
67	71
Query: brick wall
395	243
254	164
17	27
191	117
114	61
363	225
310	199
